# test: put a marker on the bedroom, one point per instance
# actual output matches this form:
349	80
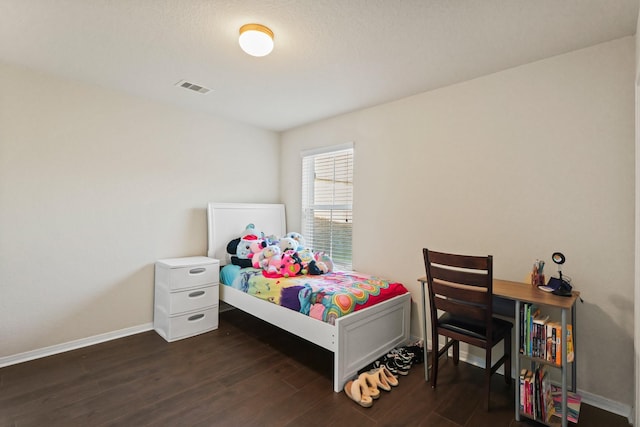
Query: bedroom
97	184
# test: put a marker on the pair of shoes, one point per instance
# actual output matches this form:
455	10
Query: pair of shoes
416	348
371	383
359	393
396	365
405	356
384	378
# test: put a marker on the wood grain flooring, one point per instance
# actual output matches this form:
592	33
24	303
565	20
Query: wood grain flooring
246	373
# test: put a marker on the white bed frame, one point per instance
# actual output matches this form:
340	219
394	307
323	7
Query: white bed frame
355	340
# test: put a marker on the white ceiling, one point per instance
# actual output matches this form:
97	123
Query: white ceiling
331	56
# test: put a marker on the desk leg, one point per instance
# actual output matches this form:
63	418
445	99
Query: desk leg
424	333
516	355
564	368
574	385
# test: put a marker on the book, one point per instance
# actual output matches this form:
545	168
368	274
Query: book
549	408
528	393
573	404
539	340
523	374
570	353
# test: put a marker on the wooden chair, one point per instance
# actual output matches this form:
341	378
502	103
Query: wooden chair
461	288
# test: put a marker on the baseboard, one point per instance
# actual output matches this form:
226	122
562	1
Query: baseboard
588	398
72	345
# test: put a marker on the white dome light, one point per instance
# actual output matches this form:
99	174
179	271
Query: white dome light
256	39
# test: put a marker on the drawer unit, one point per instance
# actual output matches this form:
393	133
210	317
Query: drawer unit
187	325
186	297
187	300
180	273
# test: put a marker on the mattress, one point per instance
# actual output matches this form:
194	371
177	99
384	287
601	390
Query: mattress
324	297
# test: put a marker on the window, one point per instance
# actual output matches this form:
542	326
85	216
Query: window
327	195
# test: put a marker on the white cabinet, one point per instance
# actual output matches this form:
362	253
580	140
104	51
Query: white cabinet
186	296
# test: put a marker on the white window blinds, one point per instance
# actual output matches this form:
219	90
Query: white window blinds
327	195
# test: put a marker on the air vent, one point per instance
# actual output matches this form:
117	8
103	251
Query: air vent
192	86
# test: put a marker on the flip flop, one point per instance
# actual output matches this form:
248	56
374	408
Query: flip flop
380	379
358	393
391	379
371	383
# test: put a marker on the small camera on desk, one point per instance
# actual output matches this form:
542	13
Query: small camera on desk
558	285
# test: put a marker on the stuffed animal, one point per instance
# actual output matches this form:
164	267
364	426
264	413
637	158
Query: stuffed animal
288	244
271	259
244	246
251	230
323	262
290	264
298	238
256	251
240	248
306	255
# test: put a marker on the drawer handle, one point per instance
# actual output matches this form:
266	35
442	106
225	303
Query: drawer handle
195	317
198	270
196	294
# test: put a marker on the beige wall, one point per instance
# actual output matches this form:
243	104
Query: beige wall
517	164
95	186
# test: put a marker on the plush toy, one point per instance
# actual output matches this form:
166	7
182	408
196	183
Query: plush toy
271	259
240	248
256	252
290	264
323	262
298	238
251	230
244	246
288	244
306	255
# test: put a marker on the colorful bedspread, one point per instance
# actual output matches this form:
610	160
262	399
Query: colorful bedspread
325	297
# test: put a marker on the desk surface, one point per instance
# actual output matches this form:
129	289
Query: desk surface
526	293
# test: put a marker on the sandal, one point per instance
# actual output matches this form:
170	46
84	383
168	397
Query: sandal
371	383
388	376
358	393
380	379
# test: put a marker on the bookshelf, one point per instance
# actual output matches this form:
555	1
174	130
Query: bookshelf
523	294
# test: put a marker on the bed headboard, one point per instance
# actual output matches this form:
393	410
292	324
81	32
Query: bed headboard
226	221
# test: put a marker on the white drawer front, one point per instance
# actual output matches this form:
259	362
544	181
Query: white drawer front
193	323
187	277
193	299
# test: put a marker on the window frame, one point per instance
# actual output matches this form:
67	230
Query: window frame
308	205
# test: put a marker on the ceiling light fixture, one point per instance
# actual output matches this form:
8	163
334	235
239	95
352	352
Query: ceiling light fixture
256	39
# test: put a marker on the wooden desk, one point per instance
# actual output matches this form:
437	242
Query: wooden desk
524	292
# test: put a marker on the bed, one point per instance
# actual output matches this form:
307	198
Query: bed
355	339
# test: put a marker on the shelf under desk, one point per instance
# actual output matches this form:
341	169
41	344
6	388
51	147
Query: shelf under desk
526	293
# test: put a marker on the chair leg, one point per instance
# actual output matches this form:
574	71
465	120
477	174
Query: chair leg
434	360
507	362
487	375
456	352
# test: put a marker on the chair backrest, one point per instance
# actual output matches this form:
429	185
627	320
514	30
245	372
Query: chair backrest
461	285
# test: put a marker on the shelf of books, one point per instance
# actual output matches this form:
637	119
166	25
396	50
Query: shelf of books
541	343
541	400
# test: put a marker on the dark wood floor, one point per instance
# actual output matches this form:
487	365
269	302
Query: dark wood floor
246	373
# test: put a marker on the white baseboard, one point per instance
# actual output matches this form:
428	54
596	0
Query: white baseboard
72	345
589	398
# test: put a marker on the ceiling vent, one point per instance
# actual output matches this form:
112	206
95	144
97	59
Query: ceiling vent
194	87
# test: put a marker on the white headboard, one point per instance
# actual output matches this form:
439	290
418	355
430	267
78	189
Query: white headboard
226	221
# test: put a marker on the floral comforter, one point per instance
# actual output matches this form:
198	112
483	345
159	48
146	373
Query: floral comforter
325	297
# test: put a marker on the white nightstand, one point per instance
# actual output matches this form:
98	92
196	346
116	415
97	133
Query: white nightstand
186	296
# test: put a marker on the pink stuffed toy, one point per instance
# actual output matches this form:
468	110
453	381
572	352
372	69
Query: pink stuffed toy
291	264
271	259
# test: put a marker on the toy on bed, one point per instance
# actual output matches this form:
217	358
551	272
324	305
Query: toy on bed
285	256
